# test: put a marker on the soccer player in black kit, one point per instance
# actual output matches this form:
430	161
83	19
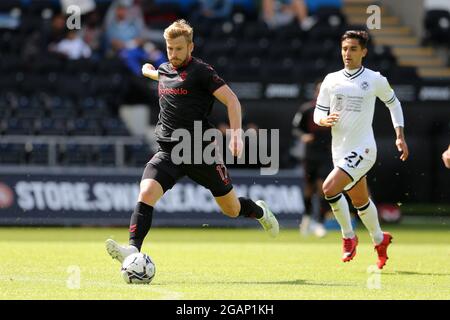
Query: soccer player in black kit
317	164
187	89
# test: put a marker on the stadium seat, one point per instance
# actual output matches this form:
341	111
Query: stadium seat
437	27
289	32
19	126
114	127
75	154
8	5
38	154
48	62
12	153
314	50
80	66
7	82
281	72
111	65
245	69
93	107
278	50
35	82
62	107
104	84
70	86
322	32
10	63
52	126
137	155
30	23
247	8
250	48
216	48
105	155
84	127
255	31
5	110
28	107
330	15
10	42
309	71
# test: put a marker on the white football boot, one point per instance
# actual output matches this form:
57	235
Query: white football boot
118	252
268	220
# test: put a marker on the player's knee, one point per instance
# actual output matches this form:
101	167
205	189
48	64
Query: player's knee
150	191
328	189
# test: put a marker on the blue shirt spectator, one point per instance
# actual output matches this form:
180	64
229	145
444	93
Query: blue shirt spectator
125	38
314	5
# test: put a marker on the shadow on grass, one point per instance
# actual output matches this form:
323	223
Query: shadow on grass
414	273
298	282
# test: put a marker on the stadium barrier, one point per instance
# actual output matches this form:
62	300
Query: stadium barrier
55	142
70	196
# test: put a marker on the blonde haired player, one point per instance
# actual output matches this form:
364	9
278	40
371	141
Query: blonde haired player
187	89
346	103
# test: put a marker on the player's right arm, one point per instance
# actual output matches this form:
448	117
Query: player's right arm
322	117
149	71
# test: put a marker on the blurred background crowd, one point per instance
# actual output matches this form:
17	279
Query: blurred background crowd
58	85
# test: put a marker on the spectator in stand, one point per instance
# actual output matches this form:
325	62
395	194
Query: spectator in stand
314	5
125	37
135	12
72	46
44	39
92	32
57	30
212	11
278	13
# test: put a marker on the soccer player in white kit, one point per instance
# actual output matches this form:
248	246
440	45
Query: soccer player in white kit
346	103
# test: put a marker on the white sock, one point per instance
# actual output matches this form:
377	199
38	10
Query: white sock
369	216
341	211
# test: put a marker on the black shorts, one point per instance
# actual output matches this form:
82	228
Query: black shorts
213	177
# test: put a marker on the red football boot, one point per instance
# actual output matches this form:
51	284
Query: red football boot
382	249
349	248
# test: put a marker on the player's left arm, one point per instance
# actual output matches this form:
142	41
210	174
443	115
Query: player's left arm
225	95
387	95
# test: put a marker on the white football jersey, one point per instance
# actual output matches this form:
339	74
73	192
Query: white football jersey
353	97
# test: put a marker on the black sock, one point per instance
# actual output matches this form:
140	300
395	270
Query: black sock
308	206
140	223
250	209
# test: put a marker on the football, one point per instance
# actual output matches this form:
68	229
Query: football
138	268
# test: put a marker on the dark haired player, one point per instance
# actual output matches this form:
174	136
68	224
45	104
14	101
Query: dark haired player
346	103
187	90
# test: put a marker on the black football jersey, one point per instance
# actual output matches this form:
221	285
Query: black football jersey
185	96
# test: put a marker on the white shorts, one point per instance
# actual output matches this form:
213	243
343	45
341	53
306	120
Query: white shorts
356	164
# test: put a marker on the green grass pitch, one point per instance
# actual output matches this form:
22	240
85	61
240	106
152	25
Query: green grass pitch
208	263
